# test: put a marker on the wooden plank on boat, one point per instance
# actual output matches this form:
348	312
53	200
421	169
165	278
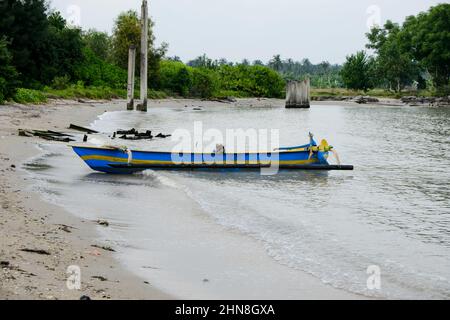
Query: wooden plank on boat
230	166
82	129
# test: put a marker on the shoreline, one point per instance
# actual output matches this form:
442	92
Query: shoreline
29	222
318	99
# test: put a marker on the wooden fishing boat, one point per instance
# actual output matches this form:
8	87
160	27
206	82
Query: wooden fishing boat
124	161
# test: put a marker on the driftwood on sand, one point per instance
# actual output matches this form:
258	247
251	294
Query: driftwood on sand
134	134
47	135
82	129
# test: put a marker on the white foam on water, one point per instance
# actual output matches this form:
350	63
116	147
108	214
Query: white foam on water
292	236
163	179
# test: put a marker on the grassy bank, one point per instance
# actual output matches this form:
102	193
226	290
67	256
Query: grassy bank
376	93
75	92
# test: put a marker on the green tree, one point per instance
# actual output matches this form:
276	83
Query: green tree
155	56
99	43
94	71
204	62
395	62
8	73
184	81
428	38
175	77
64	50
204	83
276	63
24	24
127	32
41	44
357	72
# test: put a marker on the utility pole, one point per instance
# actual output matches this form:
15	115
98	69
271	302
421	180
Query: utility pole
131	76
144	56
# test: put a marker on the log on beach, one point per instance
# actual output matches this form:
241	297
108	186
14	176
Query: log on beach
46	135
134	134
82	129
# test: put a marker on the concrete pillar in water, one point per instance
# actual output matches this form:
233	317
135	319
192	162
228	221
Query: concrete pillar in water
298	94
131	76
144	56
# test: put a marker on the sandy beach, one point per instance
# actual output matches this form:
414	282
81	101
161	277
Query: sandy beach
38	240
28	223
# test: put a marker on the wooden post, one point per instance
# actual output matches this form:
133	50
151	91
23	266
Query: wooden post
298	94
131	75
144	56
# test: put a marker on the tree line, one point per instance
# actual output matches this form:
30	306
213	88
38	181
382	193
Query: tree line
415	54
322	75
39	50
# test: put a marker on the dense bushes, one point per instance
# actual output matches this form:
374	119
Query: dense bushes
182	80
238	80
204	83
357	72
8	73
175	77
29	96
78	90
258	81
94	71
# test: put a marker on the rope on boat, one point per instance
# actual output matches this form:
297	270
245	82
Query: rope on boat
130	155
336	156
124	149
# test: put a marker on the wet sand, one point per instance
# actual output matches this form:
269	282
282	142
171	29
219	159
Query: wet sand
28	222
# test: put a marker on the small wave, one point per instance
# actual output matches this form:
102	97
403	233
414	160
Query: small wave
161	178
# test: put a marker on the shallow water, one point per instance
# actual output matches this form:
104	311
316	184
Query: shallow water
393	211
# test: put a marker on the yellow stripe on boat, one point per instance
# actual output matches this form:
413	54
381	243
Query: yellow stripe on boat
194	153
134	161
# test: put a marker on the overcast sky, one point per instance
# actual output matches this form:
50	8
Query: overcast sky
253	29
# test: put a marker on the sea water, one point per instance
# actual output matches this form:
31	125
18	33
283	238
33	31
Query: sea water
183	229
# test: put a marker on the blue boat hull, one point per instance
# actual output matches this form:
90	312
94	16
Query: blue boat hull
117	161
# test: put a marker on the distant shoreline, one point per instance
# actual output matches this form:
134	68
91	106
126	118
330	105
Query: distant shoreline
317	98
